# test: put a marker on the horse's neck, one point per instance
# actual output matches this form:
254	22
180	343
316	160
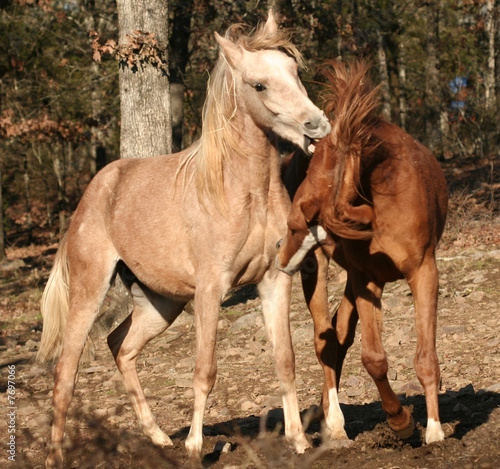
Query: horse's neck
256	168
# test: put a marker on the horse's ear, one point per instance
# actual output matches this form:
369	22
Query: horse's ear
271	26
231	51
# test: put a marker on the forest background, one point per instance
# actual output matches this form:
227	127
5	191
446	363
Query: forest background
438	63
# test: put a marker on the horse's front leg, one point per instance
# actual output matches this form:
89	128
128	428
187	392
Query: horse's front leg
206	309
275	291
332	338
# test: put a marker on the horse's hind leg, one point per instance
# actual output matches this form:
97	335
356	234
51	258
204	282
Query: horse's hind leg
368	302
332	338
424	285
152	314
275	291
88	287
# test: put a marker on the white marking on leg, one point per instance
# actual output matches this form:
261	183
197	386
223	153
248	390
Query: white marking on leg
294	431
316	234
434	431
335	419
194	441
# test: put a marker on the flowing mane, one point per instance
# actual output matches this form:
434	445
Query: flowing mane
218	143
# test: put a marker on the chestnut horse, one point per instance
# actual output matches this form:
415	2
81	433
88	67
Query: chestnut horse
190	225
374	200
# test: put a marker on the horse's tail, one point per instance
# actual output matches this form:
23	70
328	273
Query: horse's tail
353	103
55	306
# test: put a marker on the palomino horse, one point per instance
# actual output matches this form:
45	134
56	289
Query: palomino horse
190	225
375	201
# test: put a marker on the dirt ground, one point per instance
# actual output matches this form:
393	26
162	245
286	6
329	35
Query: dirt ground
243	424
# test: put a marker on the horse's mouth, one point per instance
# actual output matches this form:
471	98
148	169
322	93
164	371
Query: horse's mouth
311	144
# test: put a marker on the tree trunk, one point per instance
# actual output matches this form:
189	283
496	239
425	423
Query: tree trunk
489	79
403	105
3	257
497	73
179	42
98	157
145	107
431	101
339	29
384	76
27	193
97	148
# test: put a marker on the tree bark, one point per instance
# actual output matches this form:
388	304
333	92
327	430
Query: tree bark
27	192
497	72
431	101
146	128
403	105
3	257
339	29
490	94
384	76
178	60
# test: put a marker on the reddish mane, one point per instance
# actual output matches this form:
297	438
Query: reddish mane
352	103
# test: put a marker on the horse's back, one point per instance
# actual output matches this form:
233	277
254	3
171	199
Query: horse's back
408	176
409	196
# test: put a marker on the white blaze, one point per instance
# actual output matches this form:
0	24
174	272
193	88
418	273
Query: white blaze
316	235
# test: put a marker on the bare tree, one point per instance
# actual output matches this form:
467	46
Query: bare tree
2	239
145	108
432	118
490	26
384	75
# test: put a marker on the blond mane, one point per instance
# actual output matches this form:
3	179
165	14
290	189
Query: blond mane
218	143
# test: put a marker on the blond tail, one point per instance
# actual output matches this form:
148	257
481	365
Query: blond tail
55	306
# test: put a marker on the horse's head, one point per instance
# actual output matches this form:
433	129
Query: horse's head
293	249
268	88
304	231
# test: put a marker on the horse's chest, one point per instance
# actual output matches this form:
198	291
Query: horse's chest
257	252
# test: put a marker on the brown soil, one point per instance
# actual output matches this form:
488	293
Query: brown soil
243	424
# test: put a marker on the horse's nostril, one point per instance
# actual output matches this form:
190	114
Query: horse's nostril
318	126
278	244
311	125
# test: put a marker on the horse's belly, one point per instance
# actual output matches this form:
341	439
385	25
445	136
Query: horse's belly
167	282
168	272
370	258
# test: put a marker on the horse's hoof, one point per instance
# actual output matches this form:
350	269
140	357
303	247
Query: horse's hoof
160	439
301	445
333	434
402	424
54	459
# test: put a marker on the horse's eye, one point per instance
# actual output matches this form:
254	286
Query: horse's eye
259	87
